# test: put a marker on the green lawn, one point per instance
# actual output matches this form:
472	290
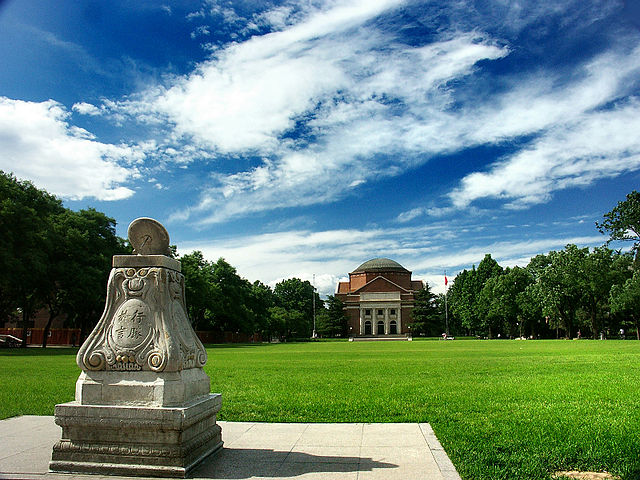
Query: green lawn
502	409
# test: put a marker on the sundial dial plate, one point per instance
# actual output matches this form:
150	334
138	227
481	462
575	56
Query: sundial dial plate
148	237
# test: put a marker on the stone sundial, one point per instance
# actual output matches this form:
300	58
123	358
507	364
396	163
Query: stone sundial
148	237
143	404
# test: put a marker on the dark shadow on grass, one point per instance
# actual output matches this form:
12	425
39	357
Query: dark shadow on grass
239	463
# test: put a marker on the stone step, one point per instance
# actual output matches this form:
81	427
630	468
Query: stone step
380	338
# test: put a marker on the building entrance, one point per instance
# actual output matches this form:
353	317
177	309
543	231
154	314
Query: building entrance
367	328
380	327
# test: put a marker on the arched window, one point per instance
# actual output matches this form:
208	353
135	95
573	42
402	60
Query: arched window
393	327
367	327
380	327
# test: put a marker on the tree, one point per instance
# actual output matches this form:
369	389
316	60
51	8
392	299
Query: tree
26	215
501	301
427	314
199	289
625	300
332	321
601	269
295	295
233	297
623	223
461	300
559	285
261	299
86	242
464	294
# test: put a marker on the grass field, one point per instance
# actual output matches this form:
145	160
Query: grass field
502	409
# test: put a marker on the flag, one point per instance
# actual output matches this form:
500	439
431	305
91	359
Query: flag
445	281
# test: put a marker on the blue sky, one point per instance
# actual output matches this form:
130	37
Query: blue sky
301	138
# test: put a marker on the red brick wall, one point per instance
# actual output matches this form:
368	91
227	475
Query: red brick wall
59	336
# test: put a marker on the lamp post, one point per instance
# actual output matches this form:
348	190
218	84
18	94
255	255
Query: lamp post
446	313
314	334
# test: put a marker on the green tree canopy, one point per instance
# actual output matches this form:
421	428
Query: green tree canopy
625	300
623	223
332	321
296	295
427	313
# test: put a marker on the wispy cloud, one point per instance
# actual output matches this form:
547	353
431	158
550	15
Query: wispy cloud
37	142
331	100
427	251
597	145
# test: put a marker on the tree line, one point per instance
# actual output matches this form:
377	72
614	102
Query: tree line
219	299
571	292
57	259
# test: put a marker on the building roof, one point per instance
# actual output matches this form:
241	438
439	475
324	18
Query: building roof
380	265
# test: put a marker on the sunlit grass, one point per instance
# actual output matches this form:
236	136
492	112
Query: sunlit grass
502	409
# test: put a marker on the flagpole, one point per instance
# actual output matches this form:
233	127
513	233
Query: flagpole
446	313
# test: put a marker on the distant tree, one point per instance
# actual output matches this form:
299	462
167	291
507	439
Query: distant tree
625	300
332	321
464	294
289	323
26	225
261	299
490	308
559	285
324	326
500	301
427	314
87	242
233	299
623	223
200	289
531	310
602	268
462	298
295	295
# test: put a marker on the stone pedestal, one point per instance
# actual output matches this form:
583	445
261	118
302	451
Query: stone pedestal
141	441
142	403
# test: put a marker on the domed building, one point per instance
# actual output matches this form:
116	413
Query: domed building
379	298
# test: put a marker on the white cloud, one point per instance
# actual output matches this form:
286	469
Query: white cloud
332	254
85	108
373	107
37	143
597	145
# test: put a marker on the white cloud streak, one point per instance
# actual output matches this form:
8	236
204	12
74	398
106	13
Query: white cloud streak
38	143
371	107
597	145
426	251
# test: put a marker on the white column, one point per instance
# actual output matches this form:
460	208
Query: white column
374	320
386	321
361	320
399	317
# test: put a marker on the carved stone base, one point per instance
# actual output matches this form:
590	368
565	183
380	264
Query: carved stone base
148	389
140	441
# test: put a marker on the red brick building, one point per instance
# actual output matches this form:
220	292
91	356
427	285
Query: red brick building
379	298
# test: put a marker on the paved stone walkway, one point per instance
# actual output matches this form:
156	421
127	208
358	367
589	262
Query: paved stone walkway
264	451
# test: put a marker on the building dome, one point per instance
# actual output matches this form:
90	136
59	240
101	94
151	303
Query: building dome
380	265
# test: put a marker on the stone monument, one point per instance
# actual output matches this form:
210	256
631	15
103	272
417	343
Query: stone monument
142	404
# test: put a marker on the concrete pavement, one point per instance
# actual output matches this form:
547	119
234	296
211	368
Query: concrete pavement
264	451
